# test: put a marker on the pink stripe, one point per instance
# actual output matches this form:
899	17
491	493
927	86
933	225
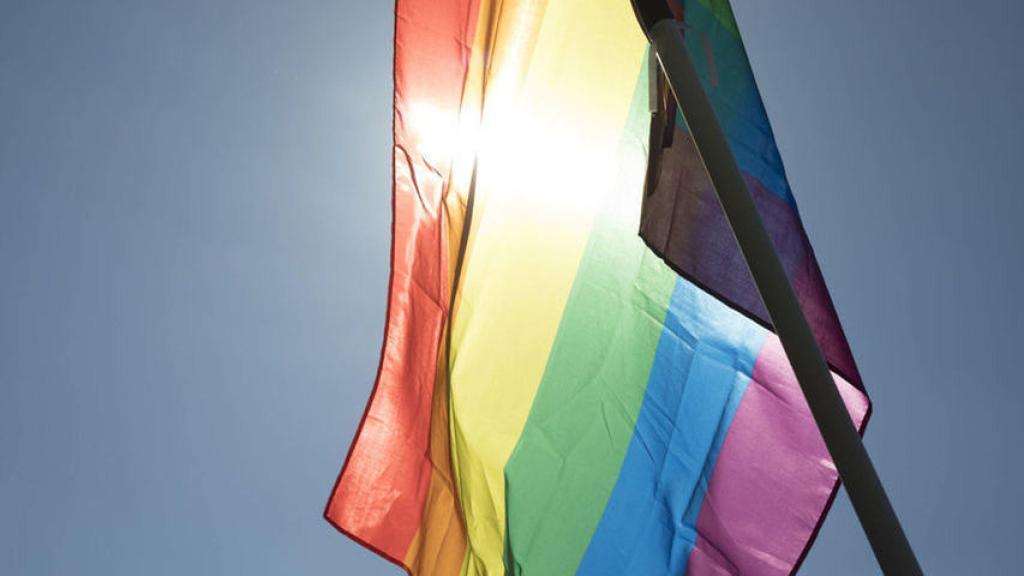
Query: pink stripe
773	480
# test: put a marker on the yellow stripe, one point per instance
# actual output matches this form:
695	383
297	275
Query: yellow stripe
556	103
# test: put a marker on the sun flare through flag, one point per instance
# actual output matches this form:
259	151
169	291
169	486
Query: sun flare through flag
578	374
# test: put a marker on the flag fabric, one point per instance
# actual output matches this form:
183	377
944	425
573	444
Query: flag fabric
558	393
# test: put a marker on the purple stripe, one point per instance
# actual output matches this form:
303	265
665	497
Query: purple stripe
773	480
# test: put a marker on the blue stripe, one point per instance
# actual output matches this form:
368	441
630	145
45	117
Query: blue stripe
735	99
702	366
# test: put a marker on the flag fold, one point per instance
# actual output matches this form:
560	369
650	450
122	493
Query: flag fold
557	392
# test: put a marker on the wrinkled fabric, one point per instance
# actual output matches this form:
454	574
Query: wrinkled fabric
394	493
682	218
558	394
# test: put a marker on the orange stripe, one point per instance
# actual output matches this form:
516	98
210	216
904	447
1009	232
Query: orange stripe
440	544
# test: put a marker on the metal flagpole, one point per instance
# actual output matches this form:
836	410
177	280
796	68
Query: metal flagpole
863	486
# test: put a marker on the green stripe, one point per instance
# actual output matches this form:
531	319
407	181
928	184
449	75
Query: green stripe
566	461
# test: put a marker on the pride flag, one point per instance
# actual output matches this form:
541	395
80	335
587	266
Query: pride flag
577	374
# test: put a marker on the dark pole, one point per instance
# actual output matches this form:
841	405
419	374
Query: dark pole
863	486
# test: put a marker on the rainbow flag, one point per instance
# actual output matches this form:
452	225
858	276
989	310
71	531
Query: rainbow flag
558	393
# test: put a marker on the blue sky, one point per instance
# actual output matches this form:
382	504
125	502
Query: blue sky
194	222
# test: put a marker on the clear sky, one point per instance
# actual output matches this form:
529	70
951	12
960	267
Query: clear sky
194	228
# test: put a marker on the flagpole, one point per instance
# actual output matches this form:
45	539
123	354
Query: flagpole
876	515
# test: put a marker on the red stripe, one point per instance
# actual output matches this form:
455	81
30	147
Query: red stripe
379	496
